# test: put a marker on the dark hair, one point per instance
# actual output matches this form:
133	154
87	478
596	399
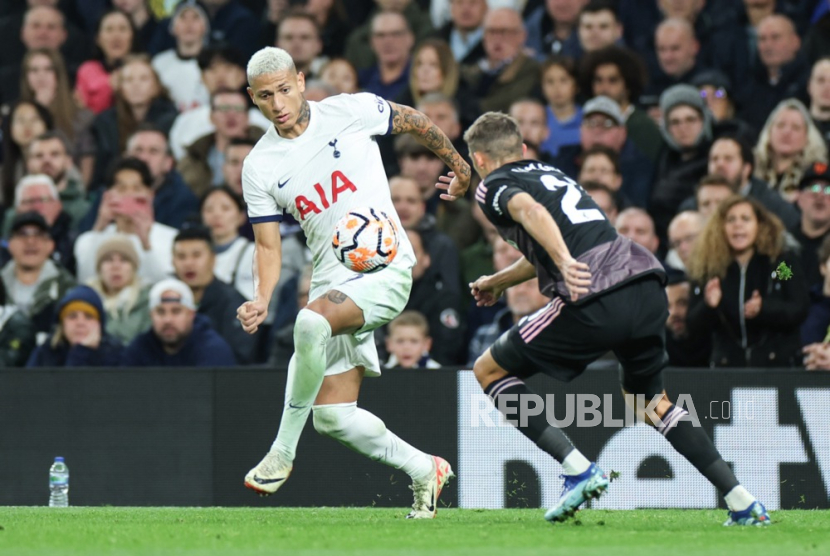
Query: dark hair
607	152
565	62
129	163
631	68
241	141
97	53
744	148
591	186
298	13
2	294
54	134
235	197
221	52
716	180
12	153
228	91
150	127
194	233
596	6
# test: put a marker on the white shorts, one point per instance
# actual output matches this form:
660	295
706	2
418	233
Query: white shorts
381	296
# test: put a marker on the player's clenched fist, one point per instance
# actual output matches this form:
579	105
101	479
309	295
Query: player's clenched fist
251	314
484	292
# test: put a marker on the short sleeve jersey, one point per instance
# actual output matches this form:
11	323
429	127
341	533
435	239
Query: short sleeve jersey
581	221
333	167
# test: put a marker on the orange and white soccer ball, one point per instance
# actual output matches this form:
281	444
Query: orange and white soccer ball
365	240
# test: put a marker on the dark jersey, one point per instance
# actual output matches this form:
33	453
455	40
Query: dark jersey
587	233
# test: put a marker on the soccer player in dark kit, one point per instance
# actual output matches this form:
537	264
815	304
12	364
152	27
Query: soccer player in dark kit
607	294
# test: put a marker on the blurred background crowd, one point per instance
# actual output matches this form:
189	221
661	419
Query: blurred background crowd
701	128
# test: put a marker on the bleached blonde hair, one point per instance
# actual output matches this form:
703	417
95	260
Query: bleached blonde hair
269	60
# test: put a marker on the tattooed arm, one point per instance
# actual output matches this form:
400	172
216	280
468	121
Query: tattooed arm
414	122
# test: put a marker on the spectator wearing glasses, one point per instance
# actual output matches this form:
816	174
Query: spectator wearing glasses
38	193
506	73
391	41
687	131
33	281
814	202
201	167
716	91
683	231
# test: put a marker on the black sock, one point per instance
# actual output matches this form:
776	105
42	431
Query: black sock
548	438
695	445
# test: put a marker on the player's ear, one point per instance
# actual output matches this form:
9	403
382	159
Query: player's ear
251	94
301	81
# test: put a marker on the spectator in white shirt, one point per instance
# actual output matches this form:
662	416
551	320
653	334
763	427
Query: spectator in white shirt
127	208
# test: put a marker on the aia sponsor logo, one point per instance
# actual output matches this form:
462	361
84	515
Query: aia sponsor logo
317	204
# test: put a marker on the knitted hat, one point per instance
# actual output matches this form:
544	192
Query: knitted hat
196	7
604	105
81	298
120	244
684	95
681	95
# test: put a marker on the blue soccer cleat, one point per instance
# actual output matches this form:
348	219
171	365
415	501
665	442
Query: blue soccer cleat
756	514
576	490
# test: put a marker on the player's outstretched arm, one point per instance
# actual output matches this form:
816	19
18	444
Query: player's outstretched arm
537	221
406	119
488	289
267	264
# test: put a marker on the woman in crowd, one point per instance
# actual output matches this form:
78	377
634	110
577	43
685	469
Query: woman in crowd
139	98
789	144
43	79
340	74
79	338
125	299
223	212
752	313
96	79
433	70
25	120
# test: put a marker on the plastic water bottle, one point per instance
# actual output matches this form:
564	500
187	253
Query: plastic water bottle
58	484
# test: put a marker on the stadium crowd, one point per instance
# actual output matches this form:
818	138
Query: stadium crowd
700	128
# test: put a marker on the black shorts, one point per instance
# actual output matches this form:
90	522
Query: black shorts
560	340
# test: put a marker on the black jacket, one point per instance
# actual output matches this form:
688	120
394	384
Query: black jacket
772	338
757	97
676	179
219	304
441	306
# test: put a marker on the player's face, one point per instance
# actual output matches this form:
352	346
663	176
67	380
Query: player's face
678	296
193	261
407	344
279	96
741	228
172	322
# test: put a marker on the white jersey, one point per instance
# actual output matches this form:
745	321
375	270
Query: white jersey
333	167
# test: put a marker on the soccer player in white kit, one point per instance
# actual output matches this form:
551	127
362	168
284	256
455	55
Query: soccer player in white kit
318	161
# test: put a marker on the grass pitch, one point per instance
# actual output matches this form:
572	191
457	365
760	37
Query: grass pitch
26	531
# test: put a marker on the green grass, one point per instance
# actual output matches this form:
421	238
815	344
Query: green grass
224	531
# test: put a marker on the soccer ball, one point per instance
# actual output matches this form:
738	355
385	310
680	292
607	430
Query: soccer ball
365	240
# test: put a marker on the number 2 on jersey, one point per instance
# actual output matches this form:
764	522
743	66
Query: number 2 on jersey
570	200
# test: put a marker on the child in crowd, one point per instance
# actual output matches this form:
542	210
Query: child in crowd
559	87
408	342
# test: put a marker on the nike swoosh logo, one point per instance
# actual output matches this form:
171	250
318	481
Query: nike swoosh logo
281	184
259	481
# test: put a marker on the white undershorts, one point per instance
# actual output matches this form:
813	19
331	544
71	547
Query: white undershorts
381	296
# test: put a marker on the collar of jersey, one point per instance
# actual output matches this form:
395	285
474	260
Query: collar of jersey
312	125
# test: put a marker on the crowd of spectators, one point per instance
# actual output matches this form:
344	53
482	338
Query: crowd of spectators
700	128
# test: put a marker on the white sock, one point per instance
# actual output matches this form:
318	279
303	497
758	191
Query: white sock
306	371
575	463
739	499
366	434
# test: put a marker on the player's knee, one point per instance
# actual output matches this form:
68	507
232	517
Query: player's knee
486	370
310	329
333	420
